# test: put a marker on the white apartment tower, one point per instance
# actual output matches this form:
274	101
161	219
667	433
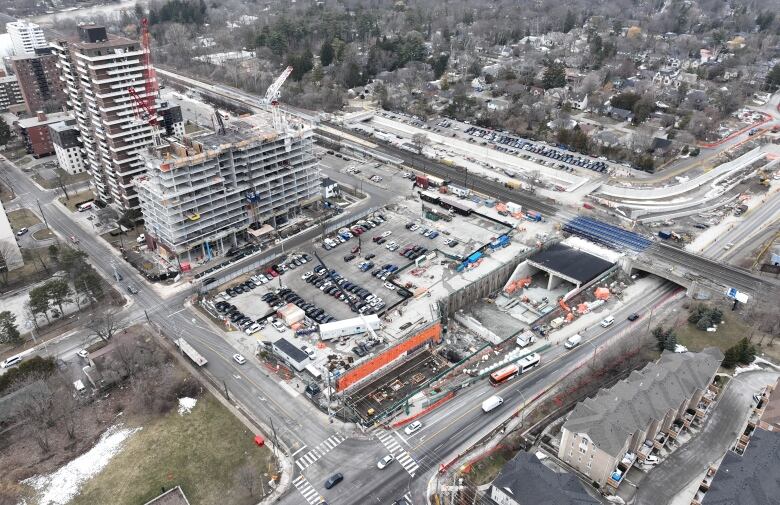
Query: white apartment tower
26	37
201	194
98	70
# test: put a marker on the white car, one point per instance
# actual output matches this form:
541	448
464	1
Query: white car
387	233
309	351
82	353
389	286
252	329
382	464
278	325
239	359
413	427
307	275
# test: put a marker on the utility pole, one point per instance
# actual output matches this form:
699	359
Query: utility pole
42	214
224	385
273	434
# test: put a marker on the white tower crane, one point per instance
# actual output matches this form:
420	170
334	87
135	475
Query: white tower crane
272	98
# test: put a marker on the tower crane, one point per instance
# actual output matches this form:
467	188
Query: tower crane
272	98
146	106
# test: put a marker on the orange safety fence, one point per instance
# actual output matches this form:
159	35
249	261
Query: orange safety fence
360	372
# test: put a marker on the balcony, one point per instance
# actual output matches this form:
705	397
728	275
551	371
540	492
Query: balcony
675	429
688	417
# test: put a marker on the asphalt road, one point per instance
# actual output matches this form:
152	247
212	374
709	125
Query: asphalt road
753	222
457	424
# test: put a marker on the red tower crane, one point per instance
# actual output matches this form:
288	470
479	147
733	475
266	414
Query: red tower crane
146	106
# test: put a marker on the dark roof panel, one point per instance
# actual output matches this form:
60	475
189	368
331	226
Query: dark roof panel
571	263
528	480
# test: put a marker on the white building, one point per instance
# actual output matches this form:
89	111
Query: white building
67	146
26	37
10	254
201	194
98	70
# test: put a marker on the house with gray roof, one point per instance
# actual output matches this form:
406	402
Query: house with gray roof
525	480
603	435
750	478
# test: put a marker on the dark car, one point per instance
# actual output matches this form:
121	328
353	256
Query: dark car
349	257
633	317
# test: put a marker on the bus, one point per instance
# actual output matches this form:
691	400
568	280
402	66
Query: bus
511	371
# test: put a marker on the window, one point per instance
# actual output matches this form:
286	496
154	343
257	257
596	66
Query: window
583	446
590	462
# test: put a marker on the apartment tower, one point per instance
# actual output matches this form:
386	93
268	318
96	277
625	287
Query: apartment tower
98	69
203	194
26	37
39	81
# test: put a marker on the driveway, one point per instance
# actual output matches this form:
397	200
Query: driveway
720	431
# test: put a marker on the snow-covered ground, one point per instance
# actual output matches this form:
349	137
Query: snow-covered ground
63	485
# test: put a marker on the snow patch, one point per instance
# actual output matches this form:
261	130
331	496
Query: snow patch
186	405
680	348
63	485
742	369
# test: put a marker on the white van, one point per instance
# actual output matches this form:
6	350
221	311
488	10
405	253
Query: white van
607	321
13	360
573	341
491	403
525	339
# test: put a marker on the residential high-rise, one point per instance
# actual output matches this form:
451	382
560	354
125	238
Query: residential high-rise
200	195
10	94
26	37
98	70
39	81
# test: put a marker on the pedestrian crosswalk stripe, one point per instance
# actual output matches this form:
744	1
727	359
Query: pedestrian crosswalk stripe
321	450
404	458
307	490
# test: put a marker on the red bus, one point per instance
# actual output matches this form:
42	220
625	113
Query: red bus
504	374
512	371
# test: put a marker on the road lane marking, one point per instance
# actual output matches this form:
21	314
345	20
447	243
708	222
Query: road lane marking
299	450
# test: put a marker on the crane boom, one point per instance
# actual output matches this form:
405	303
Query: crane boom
273	90
146	106
271	98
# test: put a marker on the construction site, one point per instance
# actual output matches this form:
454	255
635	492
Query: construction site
203	193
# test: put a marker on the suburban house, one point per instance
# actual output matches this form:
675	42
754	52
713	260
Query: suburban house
621	114
606	434
525	480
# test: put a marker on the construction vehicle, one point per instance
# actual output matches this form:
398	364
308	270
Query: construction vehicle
533	215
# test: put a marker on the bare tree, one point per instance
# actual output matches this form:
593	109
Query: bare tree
105	324
38	412
248	478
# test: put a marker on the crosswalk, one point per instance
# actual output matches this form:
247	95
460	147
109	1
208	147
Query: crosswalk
307	490
392	445
313	455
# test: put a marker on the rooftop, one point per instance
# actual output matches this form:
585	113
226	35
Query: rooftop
291	350
750	479
571	262
528	479
614	414
55	117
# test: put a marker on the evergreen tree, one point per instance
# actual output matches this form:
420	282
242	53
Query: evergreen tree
9	333
569	22
554	76
670	342
772	80
5	132
730	358
326	53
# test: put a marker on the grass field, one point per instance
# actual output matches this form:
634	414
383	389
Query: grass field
43	234
76	198
67	179
729	333
22	218
201	451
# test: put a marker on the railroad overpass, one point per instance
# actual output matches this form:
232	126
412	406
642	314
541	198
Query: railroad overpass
678	266
689	270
